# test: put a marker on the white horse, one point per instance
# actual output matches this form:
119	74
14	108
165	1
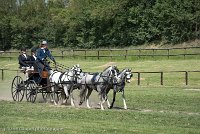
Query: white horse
65	81
99	82
119	85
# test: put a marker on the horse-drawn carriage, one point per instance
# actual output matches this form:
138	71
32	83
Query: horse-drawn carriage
59	84
33	84
36	82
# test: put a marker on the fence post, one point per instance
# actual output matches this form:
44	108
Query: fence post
85	54
184	53
62	53
168	53
153	53
126	53
2	74
138	78
186	78
139	53
98	54
73	53
161	78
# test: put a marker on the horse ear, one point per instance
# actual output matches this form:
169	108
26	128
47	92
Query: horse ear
77	65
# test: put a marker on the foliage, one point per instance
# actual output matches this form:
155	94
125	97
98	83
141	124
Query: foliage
97	23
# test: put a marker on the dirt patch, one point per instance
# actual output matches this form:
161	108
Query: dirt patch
5	91
107	64
163	111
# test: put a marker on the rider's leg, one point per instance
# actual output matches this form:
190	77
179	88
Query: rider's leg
48	68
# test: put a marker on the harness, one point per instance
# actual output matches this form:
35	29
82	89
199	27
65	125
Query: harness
119	86
94	77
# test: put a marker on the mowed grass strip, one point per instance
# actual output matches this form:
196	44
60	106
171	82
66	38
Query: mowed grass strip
159	110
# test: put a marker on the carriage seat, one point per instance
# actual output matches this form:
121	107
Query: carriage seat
44	74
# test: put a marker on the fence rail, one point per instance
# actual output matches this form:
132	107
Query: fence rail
186	77
113	53
161	73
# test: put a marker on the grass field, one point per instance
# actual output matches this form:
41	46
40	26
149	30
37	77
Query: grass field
151	110
172	108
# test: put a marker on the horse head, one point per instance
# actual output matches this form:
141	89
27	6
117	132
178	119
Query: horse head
76	70
128	75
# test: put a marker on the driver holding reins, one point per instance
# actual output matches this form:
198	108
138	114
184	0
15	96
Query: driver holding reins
42	54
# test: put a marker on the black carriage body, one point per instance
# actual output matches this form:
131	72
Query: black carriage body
39	80
36	83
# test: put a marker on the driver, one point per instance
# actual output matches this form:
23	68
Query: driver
42	53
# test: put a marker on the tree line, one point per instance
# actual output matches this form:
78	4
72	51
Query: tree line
97	23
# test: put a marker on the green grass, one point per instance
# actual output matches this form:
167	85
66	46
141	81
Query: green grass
151	110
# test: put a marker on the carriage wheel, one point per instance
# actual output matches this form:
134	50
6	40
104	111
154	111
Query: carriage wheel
47	96
47	93
17	88
31	91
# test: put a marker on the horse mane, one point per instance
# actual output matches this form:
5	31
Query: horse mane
115	67
123	70
106	68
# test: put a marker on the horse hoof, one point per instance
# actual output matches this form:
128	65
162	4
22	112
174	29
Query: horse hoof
72	105
110	107
102	108
89	107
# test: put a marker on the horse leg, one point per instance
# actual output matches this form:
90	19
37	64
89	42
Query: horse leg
102	99
87	97
83	91
66	93
72	97
101	102
113	101
124	101
54	94
108	103
53	89
62	97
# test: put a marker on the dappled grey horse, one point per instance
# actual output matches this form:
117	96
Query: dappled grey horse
98	82
119	85
66	81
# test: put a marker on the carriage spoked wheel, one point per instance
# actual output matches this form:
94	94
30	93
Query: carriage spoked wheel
46	93
17	88
31	91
